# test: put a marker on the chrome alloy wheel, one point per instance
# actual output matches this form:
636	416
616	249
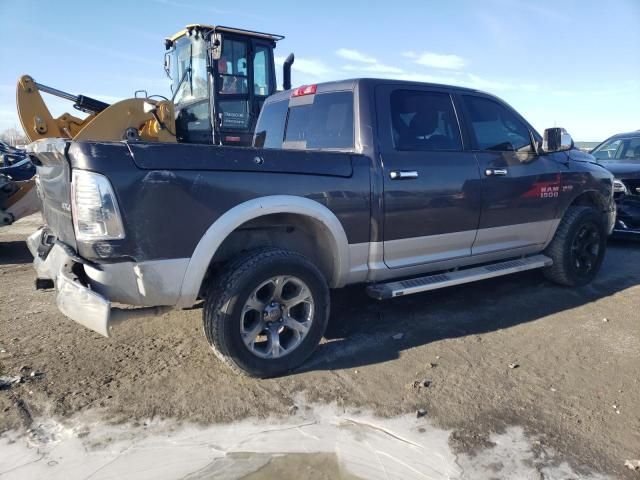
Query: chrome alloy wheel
277	316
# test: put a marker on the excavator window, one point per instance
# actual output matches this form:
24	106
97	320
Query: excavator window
190	54
191	89
261	80
232	67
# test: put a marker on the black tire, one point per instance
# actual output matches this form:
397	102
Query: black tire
223	314
578	247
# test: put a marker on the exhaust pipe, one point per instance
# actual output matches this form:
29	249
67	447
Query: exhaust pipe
286	72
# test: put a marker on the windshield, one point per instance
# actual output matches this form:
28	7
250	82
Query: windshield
619	150
189	53
190	85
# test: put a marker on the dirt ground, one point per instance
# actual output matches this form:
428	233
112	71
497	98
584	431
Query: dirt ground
576	381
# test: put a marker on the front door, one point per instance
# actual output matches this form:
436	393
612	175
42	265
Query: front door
431	185
244	79
233	106
520	188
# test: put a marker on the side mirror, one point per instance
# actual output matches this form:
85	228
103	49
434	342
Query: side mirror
556	140
216	46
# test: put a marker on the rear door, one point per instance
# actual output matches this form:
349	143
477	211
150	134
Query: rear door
431	184
520	188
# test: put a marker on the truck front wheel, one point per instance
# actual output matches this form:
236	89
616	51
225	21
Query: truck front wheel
267	312
578	247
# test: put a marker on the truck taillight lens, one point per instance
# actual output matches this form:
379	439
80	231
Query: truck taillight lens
94	207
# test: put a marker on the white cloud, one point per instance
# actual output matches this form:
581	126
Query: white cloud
355	56
312	70
365	63
437	60
474	81
309	66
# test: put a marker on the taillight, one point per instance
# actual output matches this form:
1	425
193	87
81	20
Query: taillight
94	207
304	90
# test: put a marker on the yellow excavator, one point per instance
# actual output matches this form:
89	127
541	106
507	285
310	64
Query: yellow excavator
220	77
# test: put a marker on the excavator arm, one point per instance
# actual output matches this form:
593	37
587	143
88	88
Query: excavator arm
131	119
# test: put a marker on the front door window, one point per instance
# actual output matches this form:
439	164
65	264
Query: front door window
495	127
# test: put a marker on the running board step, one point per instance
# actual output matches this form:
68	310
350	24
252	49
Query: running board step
382	291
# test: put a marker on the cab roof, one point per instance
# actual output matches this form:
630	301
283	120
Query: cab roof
353	83
635	133
220	28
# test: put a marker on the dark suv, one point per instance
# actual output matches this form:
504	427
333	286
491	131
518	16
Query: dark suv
620	154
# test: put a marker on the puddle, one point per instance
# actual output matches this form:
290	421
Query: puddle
318	442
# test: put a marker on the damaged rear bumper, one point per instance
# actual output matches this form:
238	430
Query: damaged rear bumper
75	296
81	304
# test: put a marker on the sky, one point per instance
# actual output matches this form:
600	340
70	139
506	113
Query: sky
565	63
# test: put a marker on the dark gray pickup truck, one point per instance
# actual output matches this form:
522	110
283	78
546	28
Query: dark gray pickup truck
402	187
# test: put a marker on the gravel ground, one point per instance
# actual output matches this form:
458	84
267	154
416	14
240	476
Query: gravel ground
576	354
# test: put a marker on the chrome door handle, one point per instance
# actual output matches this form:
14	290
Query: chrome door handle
496	172
403	174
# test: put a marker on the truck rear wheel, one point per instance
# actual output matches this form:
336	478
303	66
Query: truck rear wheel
578	247
267	312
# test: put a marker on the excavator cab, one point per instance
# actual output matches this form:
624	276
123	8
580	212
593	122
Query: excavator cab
220	78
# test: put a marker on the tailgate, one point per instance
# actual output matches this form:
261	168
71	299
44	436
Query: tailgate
54	186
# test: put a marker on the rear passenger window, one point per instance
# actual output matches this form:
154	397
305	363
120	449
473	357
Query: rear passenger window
424	121
326	123
270	128
495	126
